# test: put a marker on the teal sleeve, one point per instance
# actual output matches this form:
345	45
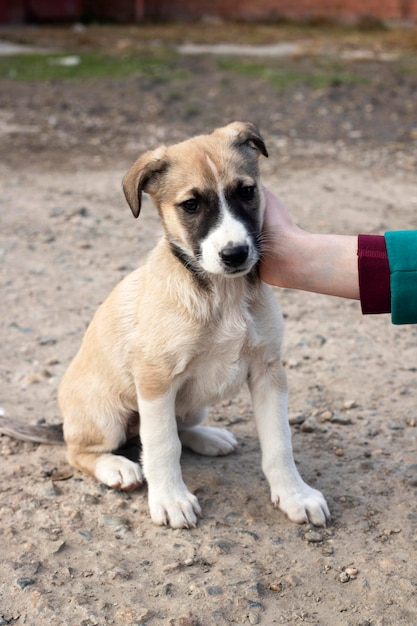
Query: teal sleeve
402	258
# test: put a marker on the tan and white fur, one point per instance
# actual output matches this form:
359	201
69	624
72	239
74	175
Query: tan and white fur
185	331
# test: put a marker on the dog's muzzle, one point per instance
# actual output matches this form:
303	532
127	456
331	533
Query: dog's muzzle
235	257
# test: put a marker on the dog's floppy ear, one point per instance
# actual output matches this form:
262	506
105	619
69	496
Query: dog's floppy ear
141	175
246	133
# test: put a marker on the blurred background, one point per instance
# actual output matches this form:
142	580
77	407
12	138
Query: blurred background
118	78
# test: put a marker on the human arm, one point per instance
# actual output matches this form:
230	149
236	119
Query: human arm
379	270
297	259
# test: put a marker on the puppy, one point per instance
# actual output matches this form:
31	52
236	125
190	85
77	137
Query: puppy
185	331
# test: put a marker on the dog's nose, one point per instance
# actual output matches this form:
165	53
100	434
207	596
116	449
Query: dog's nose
234	256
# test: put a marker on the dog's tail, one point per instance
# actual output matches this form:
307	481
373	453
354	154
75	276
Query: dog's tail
52	434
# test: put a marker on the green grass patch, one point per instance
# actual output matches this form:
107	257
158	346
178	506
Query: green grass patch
319	77
159	65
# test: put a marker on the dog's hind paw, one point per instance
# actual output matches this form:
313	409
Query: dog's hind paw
178	509
118	472
303	504
208	440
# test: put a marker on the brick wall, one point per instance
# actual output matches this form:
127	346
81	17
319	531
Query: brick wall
137	10
347	10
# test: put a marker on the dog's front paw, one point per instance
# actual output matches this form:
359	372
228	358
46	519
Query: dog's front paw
302	504
118	472
177	508
208	440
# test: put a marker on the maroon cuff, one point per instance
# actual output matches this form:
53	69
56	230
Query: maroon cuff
374	274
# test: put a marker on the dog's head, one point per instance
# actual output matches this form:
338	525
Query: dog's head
208	192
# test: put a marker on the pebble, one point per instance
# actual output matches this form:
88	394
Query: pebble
253	604
118	572
349	404
254	589
326	415
313	537
47	341
352	572
276	541
254	618
120	523
214	591
172	567
309	425
394	426
341	419
296	418
25	582
222	545
85	534
344	577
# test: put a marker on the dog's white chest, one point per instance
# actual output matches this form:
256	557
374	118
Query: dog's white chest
221	367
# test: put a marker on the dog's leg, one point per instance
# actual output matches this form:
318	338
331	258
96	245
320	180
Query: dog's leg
90	451
288	490
206	440
170	502
112	470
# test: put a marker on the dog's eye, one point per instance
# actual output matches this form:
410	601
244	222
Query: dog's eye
191	205
247	192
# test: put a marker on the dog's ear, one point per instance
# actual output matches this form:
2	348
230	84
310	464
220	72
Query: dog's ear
142	176
245	133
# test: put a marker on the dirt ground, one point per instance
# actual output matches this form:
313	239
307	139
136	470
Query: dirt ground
75	553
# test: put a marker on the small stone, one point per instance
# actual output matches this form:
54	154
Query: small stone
394	426
313	537
344	577
57	211
120	524
172	567
276	541
129	616
349	404
58	547
214	591
339	452
47	341
341	419
376	452
254	604
309	425
292	580
25	582
167	589
254	589
85	534
250	533
275	587
64	474
118	573
325	416
222	545
52	361
352	572
254	618
189	562
296	418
